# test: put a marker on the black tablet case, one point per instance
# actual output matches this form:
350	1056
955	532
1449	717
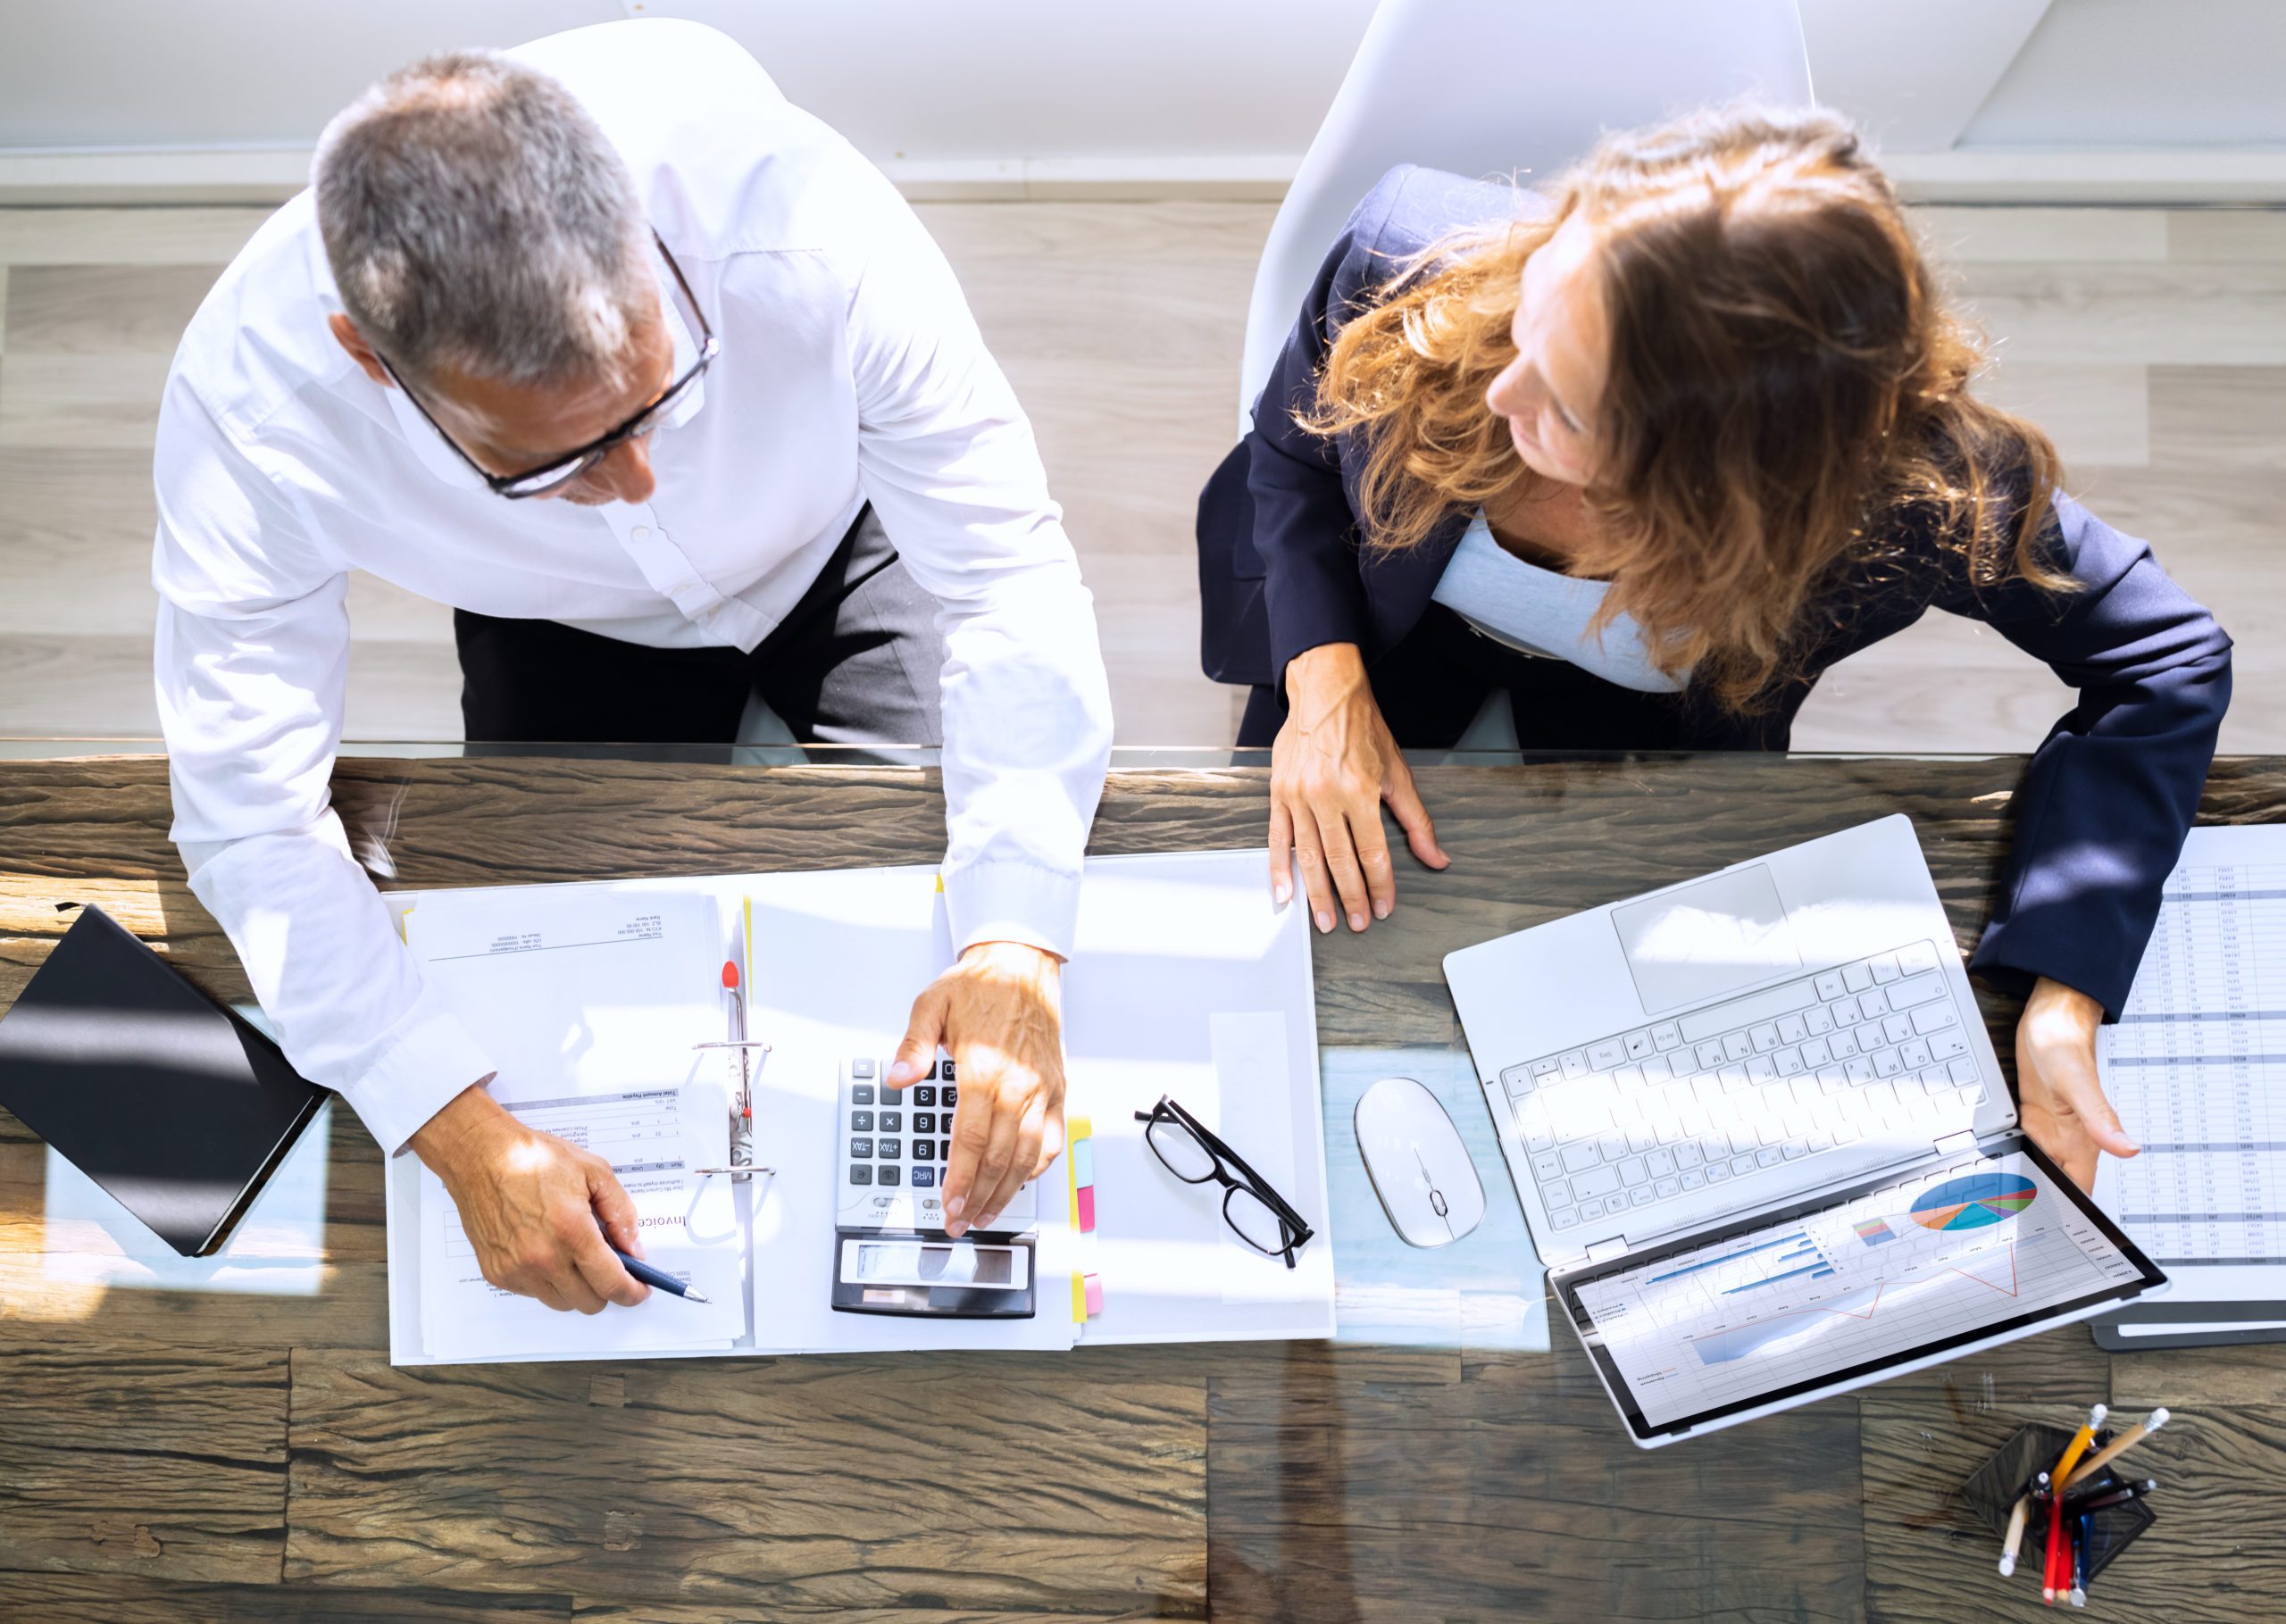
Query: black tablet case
171	1101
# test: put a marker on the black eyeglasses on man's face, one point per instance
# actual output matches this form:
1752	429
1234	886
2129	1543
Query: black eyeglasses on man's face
1257	1214
560	471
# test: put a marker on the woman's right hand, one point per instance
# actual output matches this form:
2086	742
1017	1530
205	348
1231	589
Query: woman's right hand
1333	764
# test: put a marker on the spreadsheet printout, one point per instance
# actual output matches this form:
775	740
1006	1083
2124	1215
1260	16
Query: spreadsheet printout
2196	1065
1936	1259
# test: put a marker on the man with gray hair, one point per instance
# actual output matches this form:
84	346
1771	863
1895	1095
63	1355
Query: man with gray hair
668	394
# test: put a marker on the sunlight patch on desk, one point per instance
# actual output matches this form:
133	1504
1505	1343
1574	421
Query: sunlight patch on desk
277	1248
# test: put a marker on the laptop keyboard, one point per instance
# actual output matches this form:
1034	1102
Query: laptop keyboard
1873	1048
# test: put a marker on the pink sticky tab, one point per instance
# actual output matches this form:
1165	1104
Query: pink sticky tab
1095	1296
1087	1194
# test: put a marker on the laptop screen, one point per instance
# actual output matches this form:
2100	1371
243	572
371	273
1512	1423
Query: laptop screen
1892	1271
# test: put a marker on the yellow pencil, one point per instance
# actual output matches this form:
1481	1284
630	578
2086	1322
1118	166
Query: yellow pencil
2078	1446
2117	1447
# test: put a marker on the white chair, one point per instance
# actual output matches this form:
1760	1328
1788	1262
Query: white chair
1496	87
1492	87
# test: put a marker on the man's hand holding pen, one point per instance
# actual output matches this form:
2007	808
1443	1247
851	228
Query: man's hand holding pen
530	1203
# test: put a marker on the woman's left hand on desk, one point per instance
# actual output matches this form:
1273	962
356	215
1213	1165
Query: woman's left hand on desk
2060	1097
999	1012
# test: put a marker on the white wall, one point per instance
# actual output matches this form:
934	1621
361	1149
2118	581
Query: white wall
1173	87
2132	73
921	79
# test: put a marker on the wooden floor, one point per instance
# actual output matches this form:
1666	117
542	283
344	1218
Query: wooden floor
179	1457
2152	343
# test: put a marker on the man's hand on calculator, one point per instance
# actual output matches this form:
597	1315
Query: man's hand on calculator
998	1011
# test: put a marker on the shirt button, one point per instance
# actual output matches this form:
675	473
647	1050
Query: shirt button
641	532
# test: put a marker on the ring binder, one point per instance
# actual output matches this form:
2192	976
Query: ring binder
742	1113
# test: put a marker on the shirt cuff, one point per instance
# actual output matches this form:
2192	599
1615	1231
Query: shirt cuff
431	1059
1010	900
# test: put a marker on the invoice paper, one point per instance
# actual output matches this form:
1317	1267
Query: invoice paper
589	1001
2196	1067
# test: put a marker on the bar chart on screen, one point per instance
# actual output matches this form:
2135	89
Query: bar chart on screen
1936	1258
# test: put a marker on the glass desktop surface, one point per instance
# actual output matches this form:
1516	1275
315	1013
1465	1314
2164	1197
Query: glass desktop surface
1444	1457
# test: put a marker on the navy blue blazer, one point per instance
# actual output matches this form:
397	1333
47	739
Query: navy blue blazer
2104	805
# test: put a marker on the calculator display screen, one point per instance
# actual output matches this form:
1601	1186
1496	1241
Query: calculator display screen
916	1261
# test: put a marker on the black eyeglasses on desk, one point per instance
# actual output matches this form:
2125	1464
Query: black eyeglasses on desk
1257	1214
560	471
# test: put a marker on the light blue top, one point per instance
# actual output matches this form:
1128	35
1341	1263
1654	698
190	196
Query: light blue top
1539	612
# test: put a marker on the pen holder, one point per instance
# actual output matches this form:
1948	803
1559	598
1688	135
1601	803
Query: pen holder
1993	1490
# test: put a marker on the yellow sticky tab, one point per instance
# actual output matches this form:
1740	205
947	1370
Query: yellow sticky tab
1079	1298
1078	1127
1071	1191
941	885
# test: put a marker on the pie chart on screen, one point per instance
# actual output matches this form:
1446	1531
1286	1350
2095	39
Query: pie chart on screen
1975	1202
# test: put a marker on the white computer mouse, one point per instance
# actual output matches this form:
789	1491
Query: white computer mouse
1420	1168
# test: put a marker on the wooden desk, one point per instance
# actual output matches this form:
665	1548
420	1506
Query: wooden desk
170	1456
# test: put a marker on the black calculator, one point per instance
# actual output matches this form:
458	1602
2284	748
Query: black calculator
891	1253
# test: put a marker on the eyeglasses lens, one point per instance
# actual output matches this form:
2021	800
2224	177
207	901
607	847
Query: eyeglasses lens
1186	1158
1257	1224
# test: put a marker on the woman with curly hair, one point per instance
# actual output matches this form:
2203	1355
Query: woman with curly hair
1651	454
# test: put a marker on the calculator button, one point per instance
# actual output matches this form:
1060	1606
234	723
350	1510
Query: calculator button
924	1093
861	1093
948	1069
890	1175
891	1149
861	1121
892	1121
924	1150
952	1098
931	1076
924	1178
861	1068
861	1150
924	1121
864	1175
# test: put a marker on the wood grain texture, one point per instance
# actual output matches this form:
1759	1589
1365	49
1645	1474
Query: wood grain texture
59	1598
52	1282
2216	1378
1299	1481
123	1456
951	1482
2212	1555
1531	842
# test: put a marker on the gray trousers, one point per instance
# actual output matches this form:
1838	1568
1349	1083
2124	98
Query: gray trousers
856	661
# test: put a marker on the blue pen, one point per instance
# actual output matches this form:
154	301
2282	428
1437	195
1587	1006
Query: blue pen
659	1279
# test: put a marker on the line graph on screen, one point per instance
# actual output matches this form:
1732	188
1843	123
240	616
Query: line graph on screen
1737	1341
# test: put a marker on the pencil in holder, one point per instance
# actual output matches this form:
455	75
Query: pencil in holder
1993	1490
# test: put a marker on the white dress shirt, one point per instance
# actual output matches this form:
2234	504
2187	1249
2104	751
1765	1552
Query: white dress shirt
850	371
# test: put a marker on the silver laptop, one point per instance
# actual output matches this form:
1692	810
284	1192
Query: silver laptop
1762	1142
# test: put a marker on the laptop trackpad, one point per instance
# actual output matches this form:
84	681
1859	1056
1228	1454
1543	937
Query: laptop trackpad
1699	942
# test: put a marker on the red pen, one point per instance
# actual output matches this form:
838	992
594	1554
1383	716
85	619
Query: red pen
2056	1575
